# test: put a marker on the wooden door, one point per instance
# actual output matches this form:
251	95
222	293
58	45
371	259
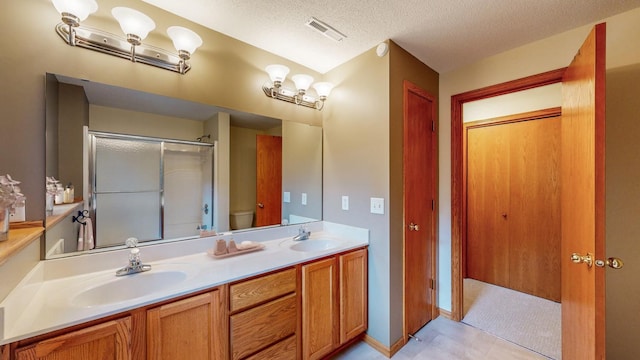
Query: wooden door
353	294
187	329
513	202
534	208
582	204
319	309
269	180
487	257
419	154
111	340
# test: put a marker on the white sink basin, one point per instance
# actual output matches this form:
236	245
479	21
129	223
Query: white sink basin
118	289
312	245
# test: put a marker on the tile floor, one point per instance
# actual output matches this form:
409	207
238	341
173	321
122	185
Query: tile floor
447	340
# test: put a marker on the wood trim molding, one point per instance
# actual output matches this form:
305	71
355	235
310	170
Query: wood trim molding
444	313
384	350
526	116
458	221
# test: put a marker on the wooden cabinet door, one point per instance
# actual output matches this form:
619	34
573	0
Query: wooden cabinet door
353	294
110	340
187	329
255	329
319	309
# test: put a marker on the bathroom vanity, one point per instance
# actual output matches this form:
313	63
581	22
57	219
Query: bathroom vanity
292	300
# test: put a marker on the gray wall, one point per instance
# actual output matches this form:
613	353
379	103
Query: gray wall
623	211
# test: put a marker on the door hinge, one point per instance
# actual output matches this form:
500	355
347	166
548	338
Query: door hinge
433	204
432	284
433	126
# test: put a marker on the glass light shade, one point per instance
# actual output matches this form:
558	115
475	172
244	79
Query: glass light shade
277	72
323	89
184	39
302	81
79	8
133	21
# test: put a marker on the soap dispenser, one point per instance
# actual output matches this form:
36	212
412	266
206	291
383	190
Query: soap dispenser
69	194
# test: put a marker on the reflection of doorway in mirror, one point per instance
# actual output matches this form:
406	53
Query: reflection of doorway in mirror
269	180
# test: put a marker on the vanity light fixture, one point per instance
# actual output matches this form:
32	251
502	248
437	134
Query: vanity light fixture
135	25
276	90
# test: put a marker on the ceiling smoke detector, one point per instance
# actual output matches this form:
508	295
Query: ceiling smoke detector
325	29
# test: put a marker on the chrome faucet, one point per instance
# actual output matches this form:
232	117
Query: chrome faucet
303	234
135	265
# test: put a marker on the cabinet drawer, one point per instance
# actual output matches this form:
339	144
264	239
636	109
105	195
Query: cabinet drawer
264	288
284	350
258	328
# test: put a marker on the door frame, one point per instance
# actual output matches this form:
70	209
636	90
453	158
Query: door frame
458	192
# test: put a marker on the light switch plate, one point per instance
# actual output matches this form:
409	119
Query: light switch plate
345	203
287	197
304	198
377	205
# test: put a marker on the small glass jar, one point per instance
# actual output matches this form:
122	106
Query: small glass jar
59	198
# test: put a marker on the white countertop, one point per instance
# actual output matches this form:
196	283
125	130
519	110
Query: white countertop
44	299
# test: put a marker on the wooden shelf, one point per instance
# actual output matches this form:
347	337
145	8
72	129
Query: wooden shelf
18	240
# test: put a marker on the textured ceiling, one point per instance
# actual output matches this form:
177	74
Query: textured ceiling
444	34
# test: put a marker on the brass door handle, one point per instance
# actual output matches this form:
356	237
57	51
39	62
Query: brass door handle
413	227
611	262
580	259
260	205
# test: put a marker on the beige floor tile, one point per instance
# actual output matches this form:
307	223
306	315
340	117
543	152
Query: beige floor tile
443	339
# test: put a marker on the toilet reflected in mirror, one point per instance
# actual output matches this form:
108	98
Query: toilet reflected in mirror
241	220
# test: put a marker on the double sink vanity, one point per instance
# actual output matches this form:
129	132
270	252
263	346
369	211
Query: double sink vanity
290	300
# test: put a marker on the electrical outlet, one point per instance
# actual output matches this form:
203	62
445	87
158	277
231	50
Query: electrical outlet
304	198
377	205
287	197
345	203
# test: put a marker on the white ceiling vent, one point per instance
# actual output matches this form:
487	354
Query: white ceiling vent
325	29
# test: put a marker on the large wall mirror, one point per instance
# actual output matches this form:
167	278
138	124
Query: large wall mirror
164	169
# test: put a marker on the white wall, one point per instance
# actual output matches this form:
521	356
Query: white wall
543	97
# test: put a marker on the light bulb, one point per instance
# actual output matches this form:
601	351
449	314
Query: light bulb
184	39
133	22
79	8
323	89
302	82
277	73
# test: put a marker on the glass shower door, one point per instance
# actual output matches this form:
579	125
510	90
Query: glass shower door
127	190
